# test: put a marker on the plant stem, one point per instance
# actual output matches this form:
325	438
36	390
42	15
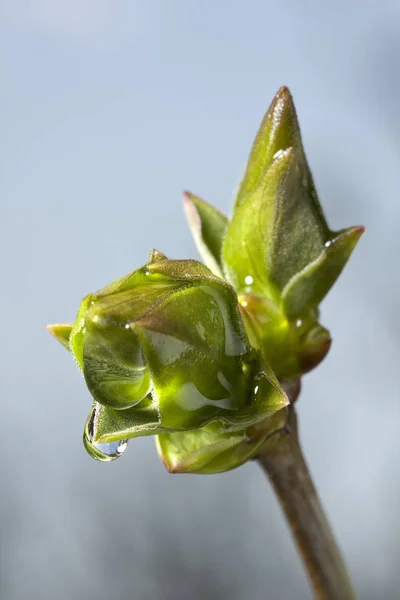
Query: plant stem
287	470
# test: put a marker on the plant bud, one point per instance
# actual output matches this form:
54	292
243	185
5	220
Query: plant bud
277	251
164	349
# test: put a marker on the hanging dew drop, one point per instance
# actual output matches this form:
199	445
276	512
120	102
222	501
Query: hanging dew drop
103	452
109	451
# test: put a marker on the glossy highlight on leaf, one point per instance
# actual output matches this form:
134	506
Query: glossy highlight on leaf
114	366
76	338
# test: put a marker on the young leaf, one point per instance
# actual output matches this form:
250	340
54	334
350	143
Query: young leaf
208	226
244	254
279	131
111	425
276	232
205	450
307	288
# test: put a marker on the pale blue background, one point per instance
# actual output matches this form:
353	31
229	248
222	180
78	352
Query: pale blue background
108	110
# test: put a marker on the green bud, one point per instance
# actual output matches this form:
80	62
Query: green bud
181	350
164	349
278	251
291	347
278	243
314	344
278	131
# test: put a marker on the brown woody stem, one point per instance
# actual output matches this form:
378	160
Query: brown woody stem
287	470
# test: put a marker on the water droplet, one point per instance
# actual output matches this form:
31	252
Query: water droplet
299	323
248	280
278	154
127	326
328	243
104	452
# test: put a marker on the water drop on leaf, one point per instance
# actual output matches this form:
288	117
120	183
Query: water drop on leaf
103	452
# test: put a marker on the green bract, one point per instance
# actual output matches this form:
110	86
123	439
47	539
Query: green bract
184	351
213	448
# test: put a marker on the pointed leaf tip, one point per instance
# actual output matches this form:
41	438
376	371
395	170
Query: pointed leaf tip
156	256
360	229
208	227
283	94
61	332
278	131
283	90
309	287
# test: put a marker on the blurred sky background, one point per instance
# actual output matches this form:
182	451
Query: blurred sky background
108	110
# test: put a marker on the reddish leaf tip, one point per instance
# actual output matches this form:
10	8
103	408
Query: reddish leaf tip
359	229
190	209
283	95
283	92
